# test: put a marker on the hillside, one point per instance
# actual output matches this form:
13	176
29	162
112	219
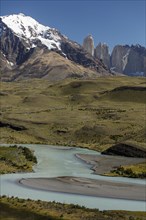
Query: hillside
75	112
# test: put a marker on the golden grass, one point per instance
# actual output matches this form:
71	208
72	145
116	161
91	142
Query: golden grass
39	210
137	169
73	112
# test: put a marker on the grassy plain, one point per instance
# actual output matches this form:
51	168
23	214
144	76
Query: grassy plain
87	113
39	210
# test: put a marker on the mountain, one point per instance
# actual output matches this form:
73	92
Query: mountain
102	52
88	44
125	59
29	49
130	60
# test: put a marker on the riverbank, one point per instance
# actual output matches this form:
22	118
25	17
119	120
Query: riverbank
40	210
54	162
105	164
88	187
16	159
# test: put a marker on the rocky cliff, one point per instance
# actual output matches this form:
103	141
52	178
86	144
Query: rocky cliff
125	59
127	150
102	52
129	60
88	44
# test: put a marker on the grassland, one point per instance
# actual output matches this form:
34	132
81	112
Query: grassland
94	113
134	171
16	159
87	113
39	210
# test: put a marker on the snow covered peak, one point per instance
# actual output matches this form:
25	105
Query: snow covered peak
24	26
28	28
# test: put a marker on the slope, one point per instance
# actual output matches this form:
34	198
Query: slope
72	112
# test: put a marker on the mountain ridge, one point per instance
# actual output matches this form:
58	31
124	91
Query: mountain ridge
22	36
23	39
125	59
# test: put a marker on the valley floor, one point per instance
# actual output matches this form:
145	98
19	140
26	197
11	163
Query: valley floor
93	113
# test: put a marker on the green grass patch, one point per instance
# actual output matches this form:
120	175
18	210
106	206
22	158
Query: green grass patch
134	171
16	159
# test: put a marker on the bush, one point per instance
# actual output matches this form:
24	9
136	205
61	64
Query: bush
29	154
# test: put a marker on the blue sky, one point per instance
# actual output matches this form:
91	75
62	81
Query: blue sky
110	21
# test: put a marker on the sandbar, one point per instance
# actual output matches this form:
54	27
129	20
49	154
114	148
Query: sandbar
102	164
88	187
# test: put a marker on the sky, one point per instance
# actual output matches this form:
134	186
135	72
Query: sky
108	21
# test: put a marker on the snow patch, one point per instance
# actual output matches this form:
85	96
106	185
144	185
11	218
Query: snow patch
24	25
125	59
29	30
10	63
3	54
51	44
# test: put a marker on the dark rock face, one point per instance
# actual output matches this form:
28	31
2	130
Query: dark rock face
127	150
14	49
78	55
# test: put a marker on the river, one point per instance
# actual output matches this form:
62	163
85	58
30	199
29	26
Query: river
56	161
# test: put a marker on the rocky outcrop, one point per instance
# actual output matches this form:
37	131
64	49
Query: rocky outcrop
127	150
88	44
136	60
102	52
124	59
119	58
130	60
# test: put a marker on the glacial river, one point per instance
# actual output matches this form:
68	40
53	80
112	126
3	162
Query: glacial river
56	161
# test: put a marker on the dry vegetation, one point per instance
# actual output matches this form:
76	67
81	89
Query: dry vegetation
88	113
85	113
39	210
134	171
16	159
